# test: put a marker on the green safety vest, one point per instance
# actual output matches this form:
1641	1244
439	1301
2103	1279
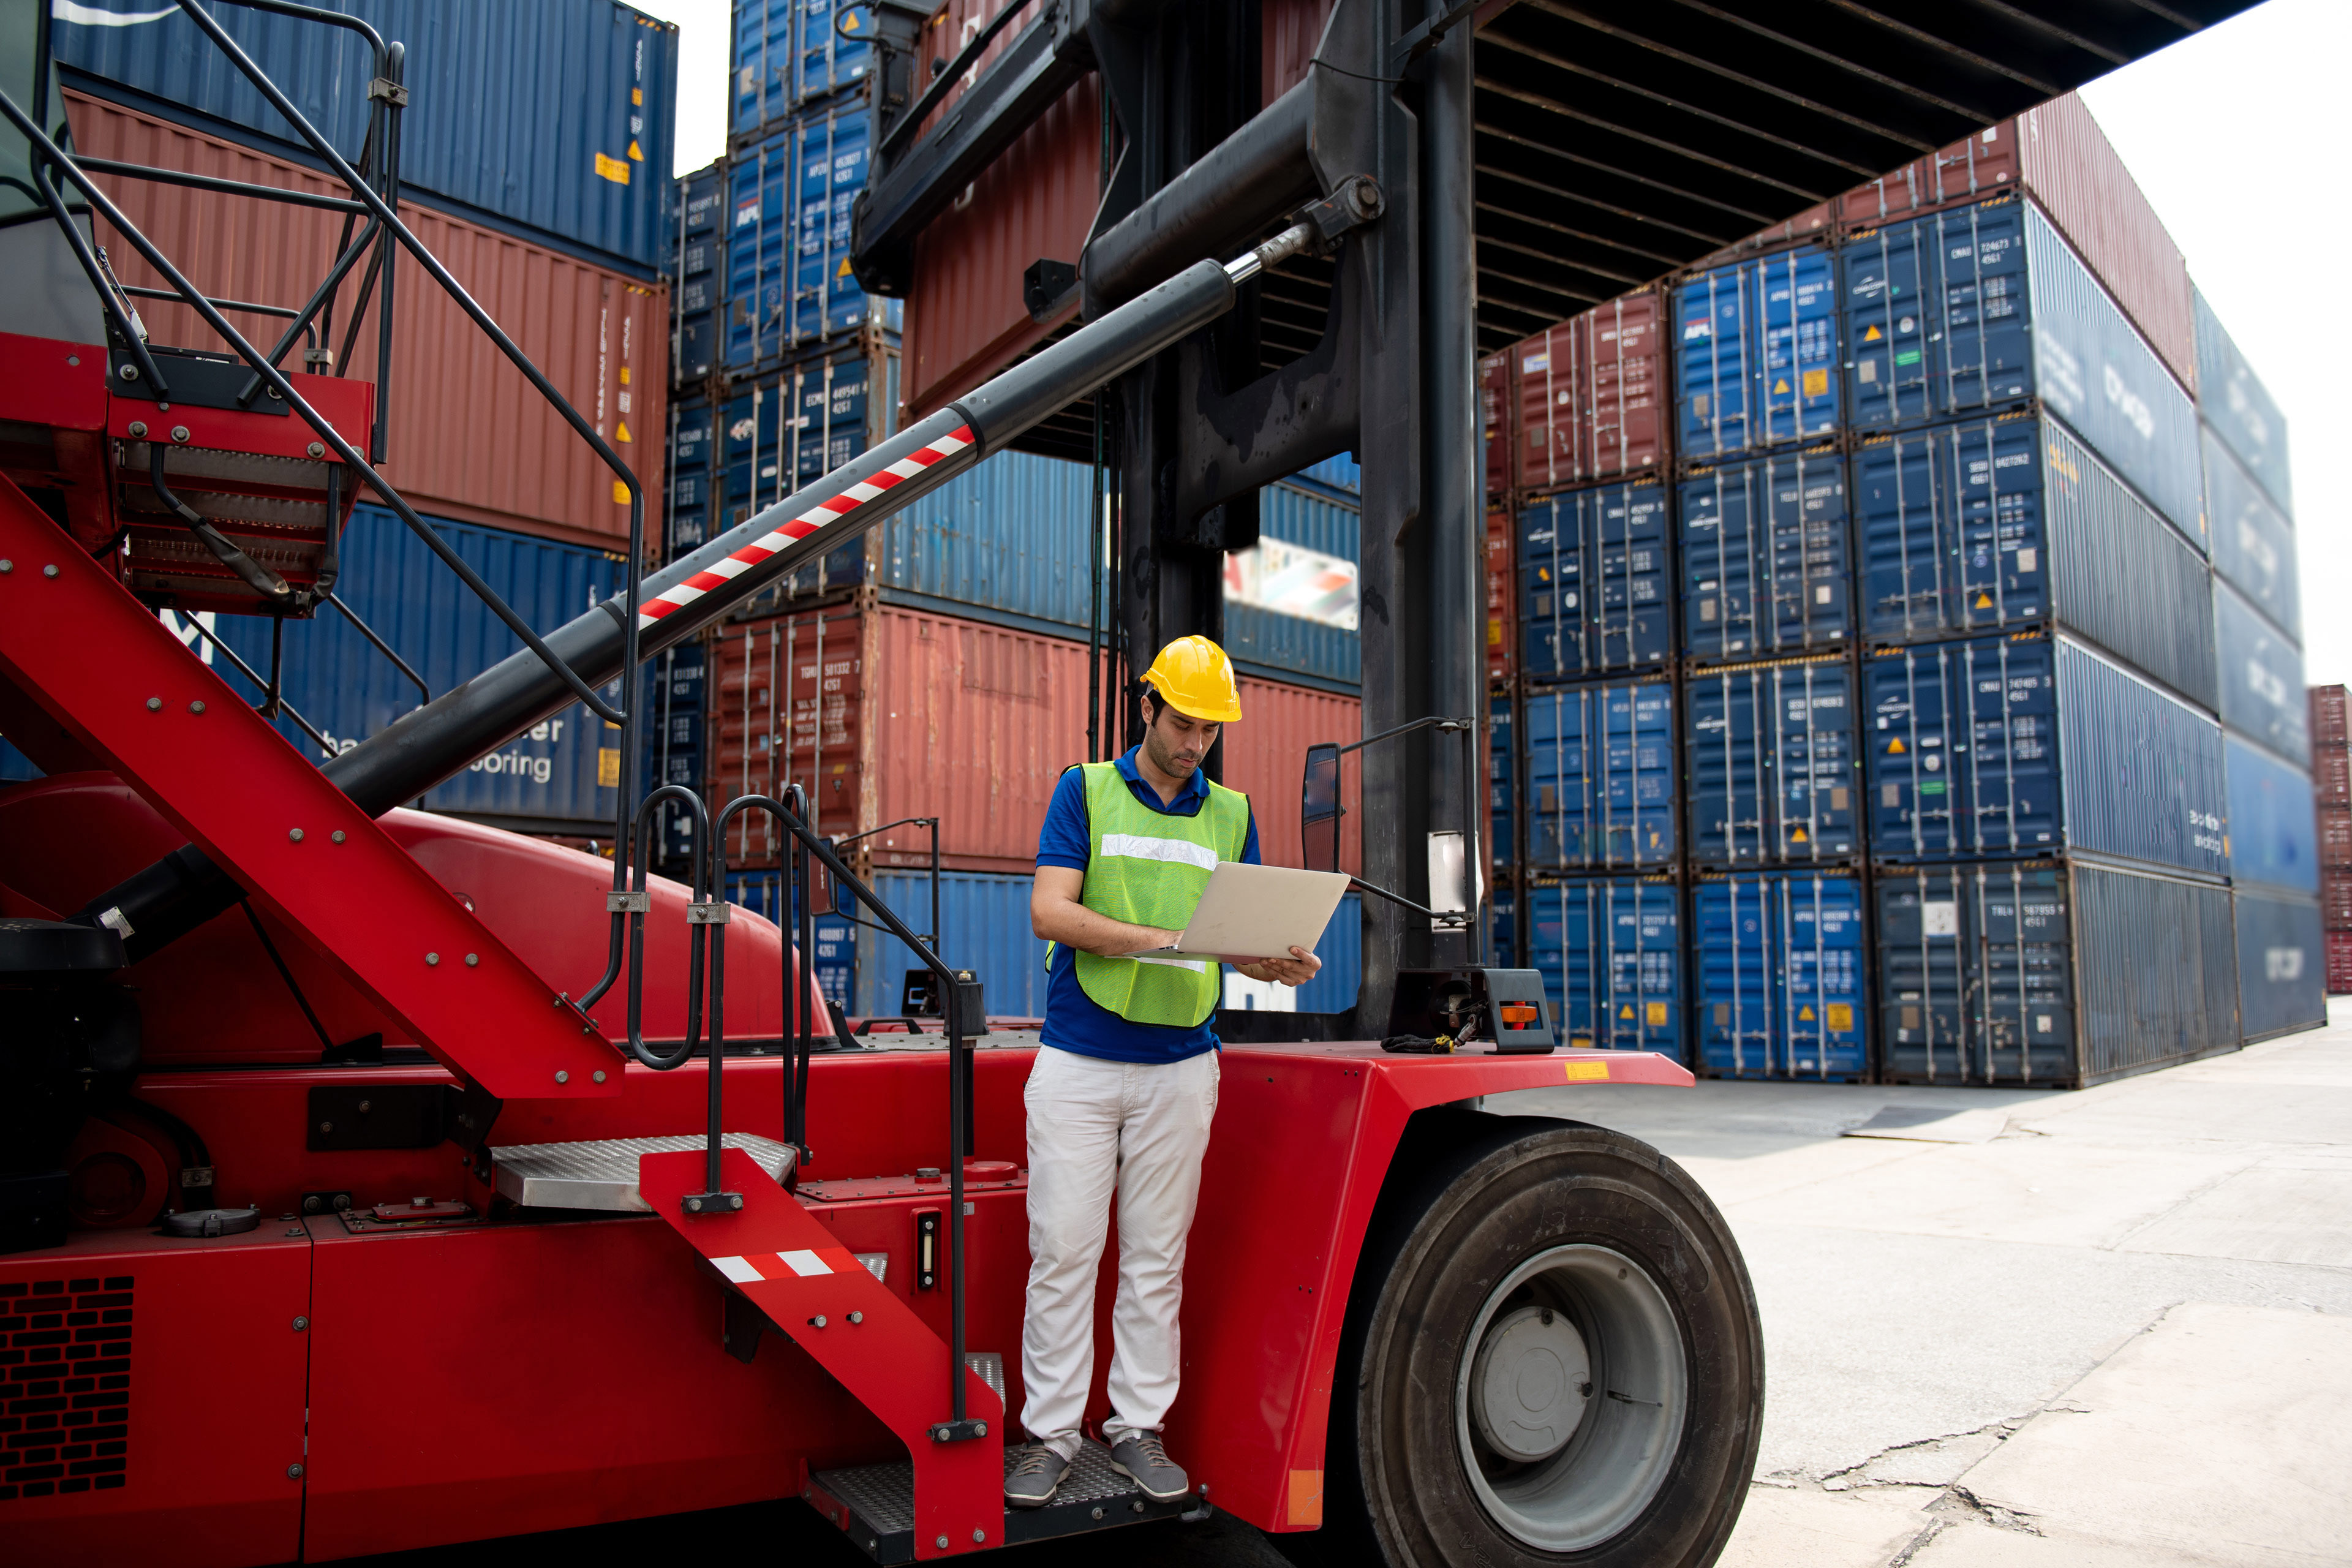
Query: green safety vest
1150	868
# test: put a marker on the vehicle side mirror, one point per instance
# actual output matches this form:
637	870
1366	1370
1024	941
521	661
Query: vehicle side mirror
1320	810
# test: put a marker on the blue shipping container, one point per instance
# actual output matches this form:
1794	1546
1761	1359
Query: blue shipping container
1595	588
1780	989
1756	363
1502	847
1610	955
2262	685
698	277
1599	773
553	116
693	443
2274	828
1765	557
2027	745
1316	514
786	52
788	278
16	767
1334	988
563	773
2254	543
791	429
2234	401
1983	306
2009	521
2282	965
1770	754
834	937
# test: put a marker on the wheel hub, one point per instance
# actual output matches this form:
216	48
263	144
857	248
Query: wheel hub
1530	1384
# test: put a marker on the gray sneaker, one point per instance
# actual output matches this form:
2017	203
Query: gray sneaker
1034	1477
1139	1456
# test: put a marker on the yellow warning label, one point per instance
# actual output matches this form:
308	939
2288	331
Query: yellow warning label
843	270
621	431
1895	748
637	96
1781	384
1657	1015
614	169
624	376
1626	1012
1841	1016
620	493
1587	1072
1984	600
1797	836
1873	335
1494	632
1804	1014
608	768
1817	383
635	156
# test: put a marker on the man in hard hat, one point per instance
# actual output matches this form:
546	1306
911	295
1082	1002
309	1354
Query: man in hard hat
1125	1080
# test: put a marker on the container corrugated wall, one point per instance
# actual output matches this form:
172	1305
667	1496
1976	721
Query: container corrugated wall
2023	745
1780	976
1756	361
556	115
2273	826
2261	677
788	216
783	53
1314	514
697	272
1265	757
2253	543
1611	953
469	437
1765	566
1592	394
1595	590
1600	775
2039	972
2282	964
563	773
1769	766
2240	408
1986	523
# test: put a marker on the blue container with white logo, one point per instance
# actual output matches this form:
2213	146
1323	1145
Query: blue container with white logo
787	52
789	198
690	478
1780	976
1979	524
2254	543
1599	776
1611	953
2234	401
1765	558
1982	307
2030	744
1595	587
1771	770
2282	962
1756	356
2263	694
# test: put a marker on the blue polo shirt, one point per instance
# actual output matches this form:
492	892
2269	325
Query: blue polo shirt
1075	1022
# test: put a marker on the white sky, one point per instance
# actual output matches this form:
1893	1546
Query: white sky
2229	134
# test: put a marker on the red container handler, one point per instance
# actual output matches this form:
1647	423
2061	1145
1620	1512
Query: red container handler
2329	726
2340	963
1592	395
468	437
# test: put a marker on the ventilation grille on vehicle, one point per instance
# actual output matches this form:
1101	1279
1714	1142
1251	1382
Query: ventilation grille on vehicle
65	1385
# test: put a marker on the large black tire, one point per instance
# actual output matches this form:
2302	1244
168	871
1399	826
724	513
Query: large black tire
1536	1242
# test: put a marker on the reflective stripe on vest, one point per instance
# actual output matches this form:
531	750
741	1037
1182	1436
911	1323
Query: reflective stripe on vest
1150	867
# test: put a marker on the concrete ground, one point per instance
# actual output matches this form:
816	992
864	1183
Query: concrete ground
2043	1331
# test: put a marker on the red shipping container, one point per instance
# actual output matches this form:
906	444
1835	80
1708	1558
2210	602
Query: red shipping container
2334	836
1816	222
1502	600
468	437
1498	417
2331	777
897	713
2328	717
1593	395
1289	31
2336	898
2340	963
2062	157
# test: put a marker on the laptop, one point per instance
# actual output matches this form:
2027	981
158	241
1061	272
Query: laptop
1257	911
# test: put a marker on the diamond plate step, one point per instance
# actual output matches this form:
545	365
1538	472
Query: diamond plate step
601	1173
875	1504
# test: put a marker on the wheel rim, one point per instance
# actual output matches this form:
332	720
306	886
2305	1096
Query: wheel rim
1563	1464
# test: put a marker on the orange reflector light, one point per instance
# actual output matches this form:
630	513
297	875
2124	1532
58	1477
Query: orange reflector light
1518	1015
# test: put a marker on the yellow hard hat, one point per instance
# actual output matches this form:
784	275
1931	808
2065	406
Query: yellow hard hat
1193	676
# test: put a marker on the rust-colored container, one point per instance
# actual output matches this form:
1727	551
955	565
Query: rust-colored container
2340	963
1502	600
2334	836
1265	759
2331	777
2336	898
2062	157
1593	395
1289	30
2329	726
1816	222
468	437
1498	420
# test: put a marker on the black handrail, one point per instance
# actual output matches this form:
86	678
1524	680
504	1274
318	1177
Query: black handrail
934	823
631	906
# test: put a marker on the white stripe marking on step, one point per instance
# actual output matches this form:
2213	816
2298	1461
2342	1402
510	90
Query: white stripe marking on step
804	1262
738	1270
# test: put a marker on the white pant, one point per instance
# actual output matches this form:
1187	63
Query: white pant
1093	1124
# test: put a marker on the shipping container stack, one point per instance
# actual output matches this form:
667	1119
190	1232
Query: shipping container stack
2331	779
555	223
1961	627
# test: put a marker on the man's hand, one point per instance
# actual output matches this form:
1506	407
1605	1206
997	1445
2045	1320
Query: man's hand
1056	915
1296	970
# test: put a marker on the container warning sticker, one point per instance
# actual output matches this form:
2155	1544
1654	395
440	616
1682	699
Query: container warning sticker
1817	384
614	169
1587	1072
1841	1016
1657	1010
608	768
